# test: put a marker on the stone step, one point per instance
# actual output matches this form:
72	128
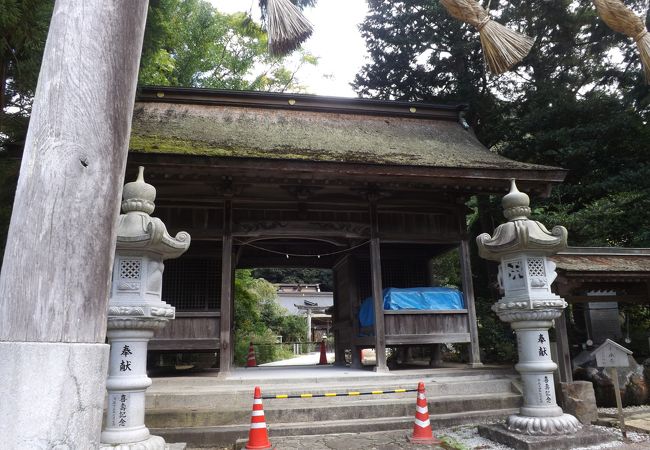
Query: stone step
326	374
217	397
227	435
324	409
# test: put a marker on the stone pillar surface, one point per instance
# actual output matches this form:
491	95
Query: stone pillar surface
135	311
521	246
59	252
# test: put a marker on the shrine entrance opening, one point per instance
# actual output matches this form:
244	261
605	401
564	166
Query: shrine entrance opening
297	317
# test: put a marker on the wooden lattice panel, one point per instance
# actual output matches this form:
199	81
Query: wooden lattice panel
193	284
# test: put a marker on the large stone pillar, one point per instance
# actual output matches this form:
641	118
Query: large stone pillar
135	311
521	246
55	276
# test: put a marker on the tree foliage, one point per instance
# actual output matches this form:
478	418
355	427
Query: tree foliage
23	31
189	43
259	319
578	101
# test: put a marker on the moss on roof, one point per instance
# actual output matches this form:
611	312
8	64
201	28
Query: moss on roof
244	132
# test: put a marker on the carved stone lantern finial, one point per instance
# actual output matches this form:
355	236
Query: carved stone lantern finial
516	205
135	311
522	246
138	195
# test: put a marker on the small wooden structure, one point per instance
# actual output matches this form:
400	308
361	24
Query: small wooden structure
371	189
620	275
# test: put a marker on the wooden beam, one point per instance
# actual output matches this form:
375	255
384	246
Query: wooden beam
225	341
178	345
377	295
563	355
468	292
427	312
415	339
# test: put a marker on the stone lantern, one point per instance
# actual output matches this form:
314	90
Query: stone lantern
135	311
522	246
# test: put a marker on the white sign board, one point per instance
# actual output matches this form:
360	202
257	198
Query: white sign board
610	354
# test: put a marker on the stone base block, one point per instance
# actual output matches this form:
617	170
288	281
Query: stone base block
585	437
52	394
153	443
578	399
543	426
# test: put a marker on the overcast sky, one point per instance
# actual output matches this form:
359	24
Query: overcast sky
336	41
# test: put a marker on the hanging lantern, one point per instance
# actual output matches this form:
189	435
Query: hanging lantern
286	26
622	20
502	47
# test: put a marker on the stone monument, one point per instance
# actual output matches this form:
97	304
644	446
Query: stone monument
135	311
521	246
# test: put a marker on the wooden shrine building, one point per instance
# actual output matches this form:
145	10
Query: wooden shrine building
597	282
371	189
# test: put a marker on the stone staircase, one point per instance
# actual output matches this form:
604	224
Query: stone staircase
213	412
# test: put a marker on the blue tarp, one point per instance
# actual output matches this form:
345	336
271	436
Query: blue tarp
412	298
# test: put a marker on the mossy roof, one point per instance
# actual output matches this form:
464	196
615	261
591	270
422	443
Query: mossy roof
594	259
245	131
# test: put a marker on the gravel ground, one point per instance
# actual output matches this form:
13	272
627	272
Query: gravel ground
461	438
628	410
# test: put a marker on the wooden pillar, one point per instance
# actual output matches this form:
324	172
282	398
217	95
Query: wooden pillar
377	296
468	293
55	277
339	347
563	355
352	267
436	355
227	309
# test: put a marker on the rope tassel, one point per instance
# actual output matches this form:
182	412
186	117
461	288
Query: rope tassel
287	27
622	20
502	47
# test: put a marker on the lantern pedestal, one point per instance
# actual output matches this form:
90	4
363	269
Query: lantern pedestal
135	312
522	246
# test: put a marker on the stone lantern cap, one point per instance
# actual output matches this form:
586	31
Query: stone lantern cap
137	230
520	233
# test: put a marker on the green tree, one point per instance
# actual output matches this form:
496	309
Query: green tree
577	101
259	319
23	30
189	43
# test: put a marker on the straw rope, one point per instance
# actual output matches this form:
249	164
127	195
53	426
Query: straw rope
623	20
287	27
502	47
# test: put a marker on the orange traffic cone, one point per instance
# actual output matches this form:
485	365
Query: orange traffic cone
258	437
251	356
323	354
422	433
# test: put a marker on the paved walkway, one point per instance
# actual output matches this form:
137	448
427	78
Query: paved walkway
310	359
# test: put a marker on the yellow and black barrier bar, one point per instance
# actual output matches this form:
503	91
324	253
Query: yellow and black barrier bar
337	394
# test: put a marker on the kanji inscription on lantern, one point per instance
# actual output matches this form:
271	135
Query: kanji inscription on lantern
118	410
125	364
515	273
611	354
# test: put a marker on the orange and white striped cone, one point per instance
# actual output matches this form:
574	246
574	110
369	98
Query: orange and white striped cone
251	362
258	436
323	354
422	433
